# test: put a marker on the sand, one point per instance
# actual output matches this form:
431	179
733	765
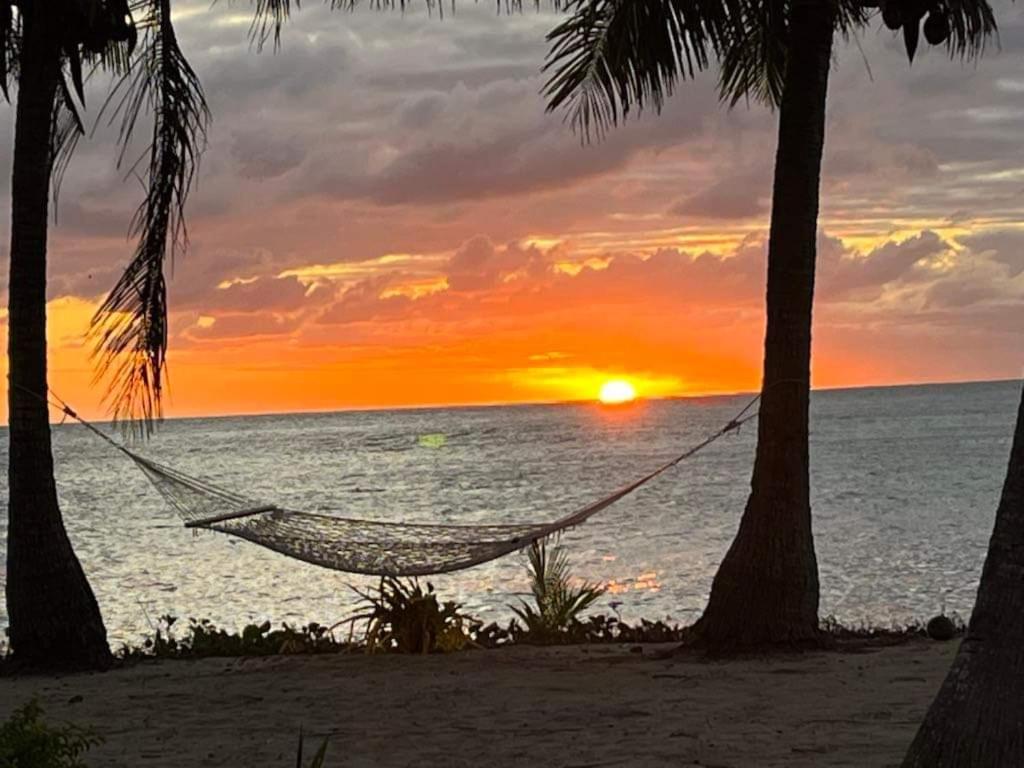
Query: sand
569	707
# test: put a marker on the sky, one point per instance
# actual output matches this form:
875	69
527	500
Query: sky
387	216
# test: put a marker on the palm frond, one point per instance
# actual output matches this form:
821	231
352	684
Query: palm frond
971	24
557	603
753	62
269	16
753	55
65	133
9	36
613	56
130	327
79	65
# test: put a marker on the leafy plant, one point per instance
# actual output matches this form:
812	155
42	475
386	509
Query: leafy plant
27	741
400	616
203	639
318	759
557	603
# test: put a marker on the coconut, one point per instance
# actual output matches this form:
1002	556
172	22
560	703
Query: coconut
941	627
936	28
892	15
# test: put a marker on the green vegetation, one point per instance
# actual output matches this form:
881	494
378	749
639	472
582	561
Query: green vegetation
557	603
27	741
401	617
319	759
203	639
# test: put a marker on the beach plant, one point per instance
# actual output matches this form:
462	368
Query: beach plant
28	741
557	601
202	639
610	59
319	757
401	616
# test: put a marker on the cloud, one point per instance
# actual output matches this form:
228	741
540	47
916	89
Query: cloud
417	157
483	286
741	196
846	274
1004	246
478	264
260	158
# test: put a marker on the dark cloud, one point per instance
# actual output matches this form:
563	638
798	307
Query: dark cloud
364	301
743	196
261	158
244	327
377	133
849	275
1004	246
478	265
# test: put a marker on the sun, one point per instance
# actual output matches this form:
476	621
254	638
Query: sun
617	392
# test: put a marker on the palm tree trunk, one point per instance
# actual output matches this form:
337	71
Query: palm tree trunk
54	619
766	589
976	720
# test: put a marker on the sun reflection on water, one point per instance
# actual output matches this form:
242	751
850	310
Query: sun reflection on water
645	582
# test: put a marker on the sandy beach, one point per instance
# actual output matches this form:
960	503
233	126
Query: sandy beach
572	707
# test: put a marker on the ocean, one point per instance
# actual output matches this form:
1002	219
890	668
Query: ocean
905	482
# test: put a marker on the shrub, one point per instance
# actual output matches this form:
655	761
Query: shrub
401	617
27	741
557	604
203	639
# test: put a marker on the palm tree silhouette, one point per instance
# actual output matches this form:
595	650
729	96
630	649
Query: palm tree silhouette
975	718
46	48
614	56
55	621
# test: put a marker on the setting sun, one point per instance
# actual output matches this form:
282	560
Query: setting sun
617	392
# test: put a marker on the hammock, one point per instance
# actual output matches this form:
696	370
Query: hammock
362	546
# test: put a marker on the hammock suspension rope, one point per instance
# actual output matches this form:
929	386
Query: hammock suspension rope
361	546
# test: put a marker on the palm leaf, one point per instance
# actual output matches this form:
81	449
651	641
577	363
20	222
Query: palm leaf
130	327
557	604
611	57
753	61
971	24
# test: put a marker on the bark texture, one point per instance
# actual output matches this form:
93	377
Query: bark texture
55	622
977	719
766	590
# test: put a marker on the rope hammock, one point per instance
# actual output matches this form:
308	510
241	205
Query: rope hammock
362	546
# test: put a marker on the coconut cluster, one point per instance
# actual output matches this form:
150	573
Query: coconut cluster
907	15
96	24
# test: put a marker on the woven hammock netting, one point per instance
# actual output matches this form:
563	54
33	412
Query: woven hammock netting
356	546
363	546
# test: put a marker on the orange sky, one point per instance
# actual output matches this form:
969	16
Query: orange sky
386	216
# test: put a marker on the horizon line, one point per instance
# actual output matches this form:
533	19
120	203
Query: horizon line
534	403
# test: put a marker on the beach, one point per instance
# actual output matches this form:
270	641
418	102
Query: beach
572	706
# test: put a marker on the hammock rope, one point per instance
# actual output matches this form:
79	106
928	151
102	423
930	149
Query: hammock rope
370	547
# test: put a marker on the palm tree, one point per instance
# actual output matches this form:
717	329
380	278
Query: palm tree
975	719
55	621
613	56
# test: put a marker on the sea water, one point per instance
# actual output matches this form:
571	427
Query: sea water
905	482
